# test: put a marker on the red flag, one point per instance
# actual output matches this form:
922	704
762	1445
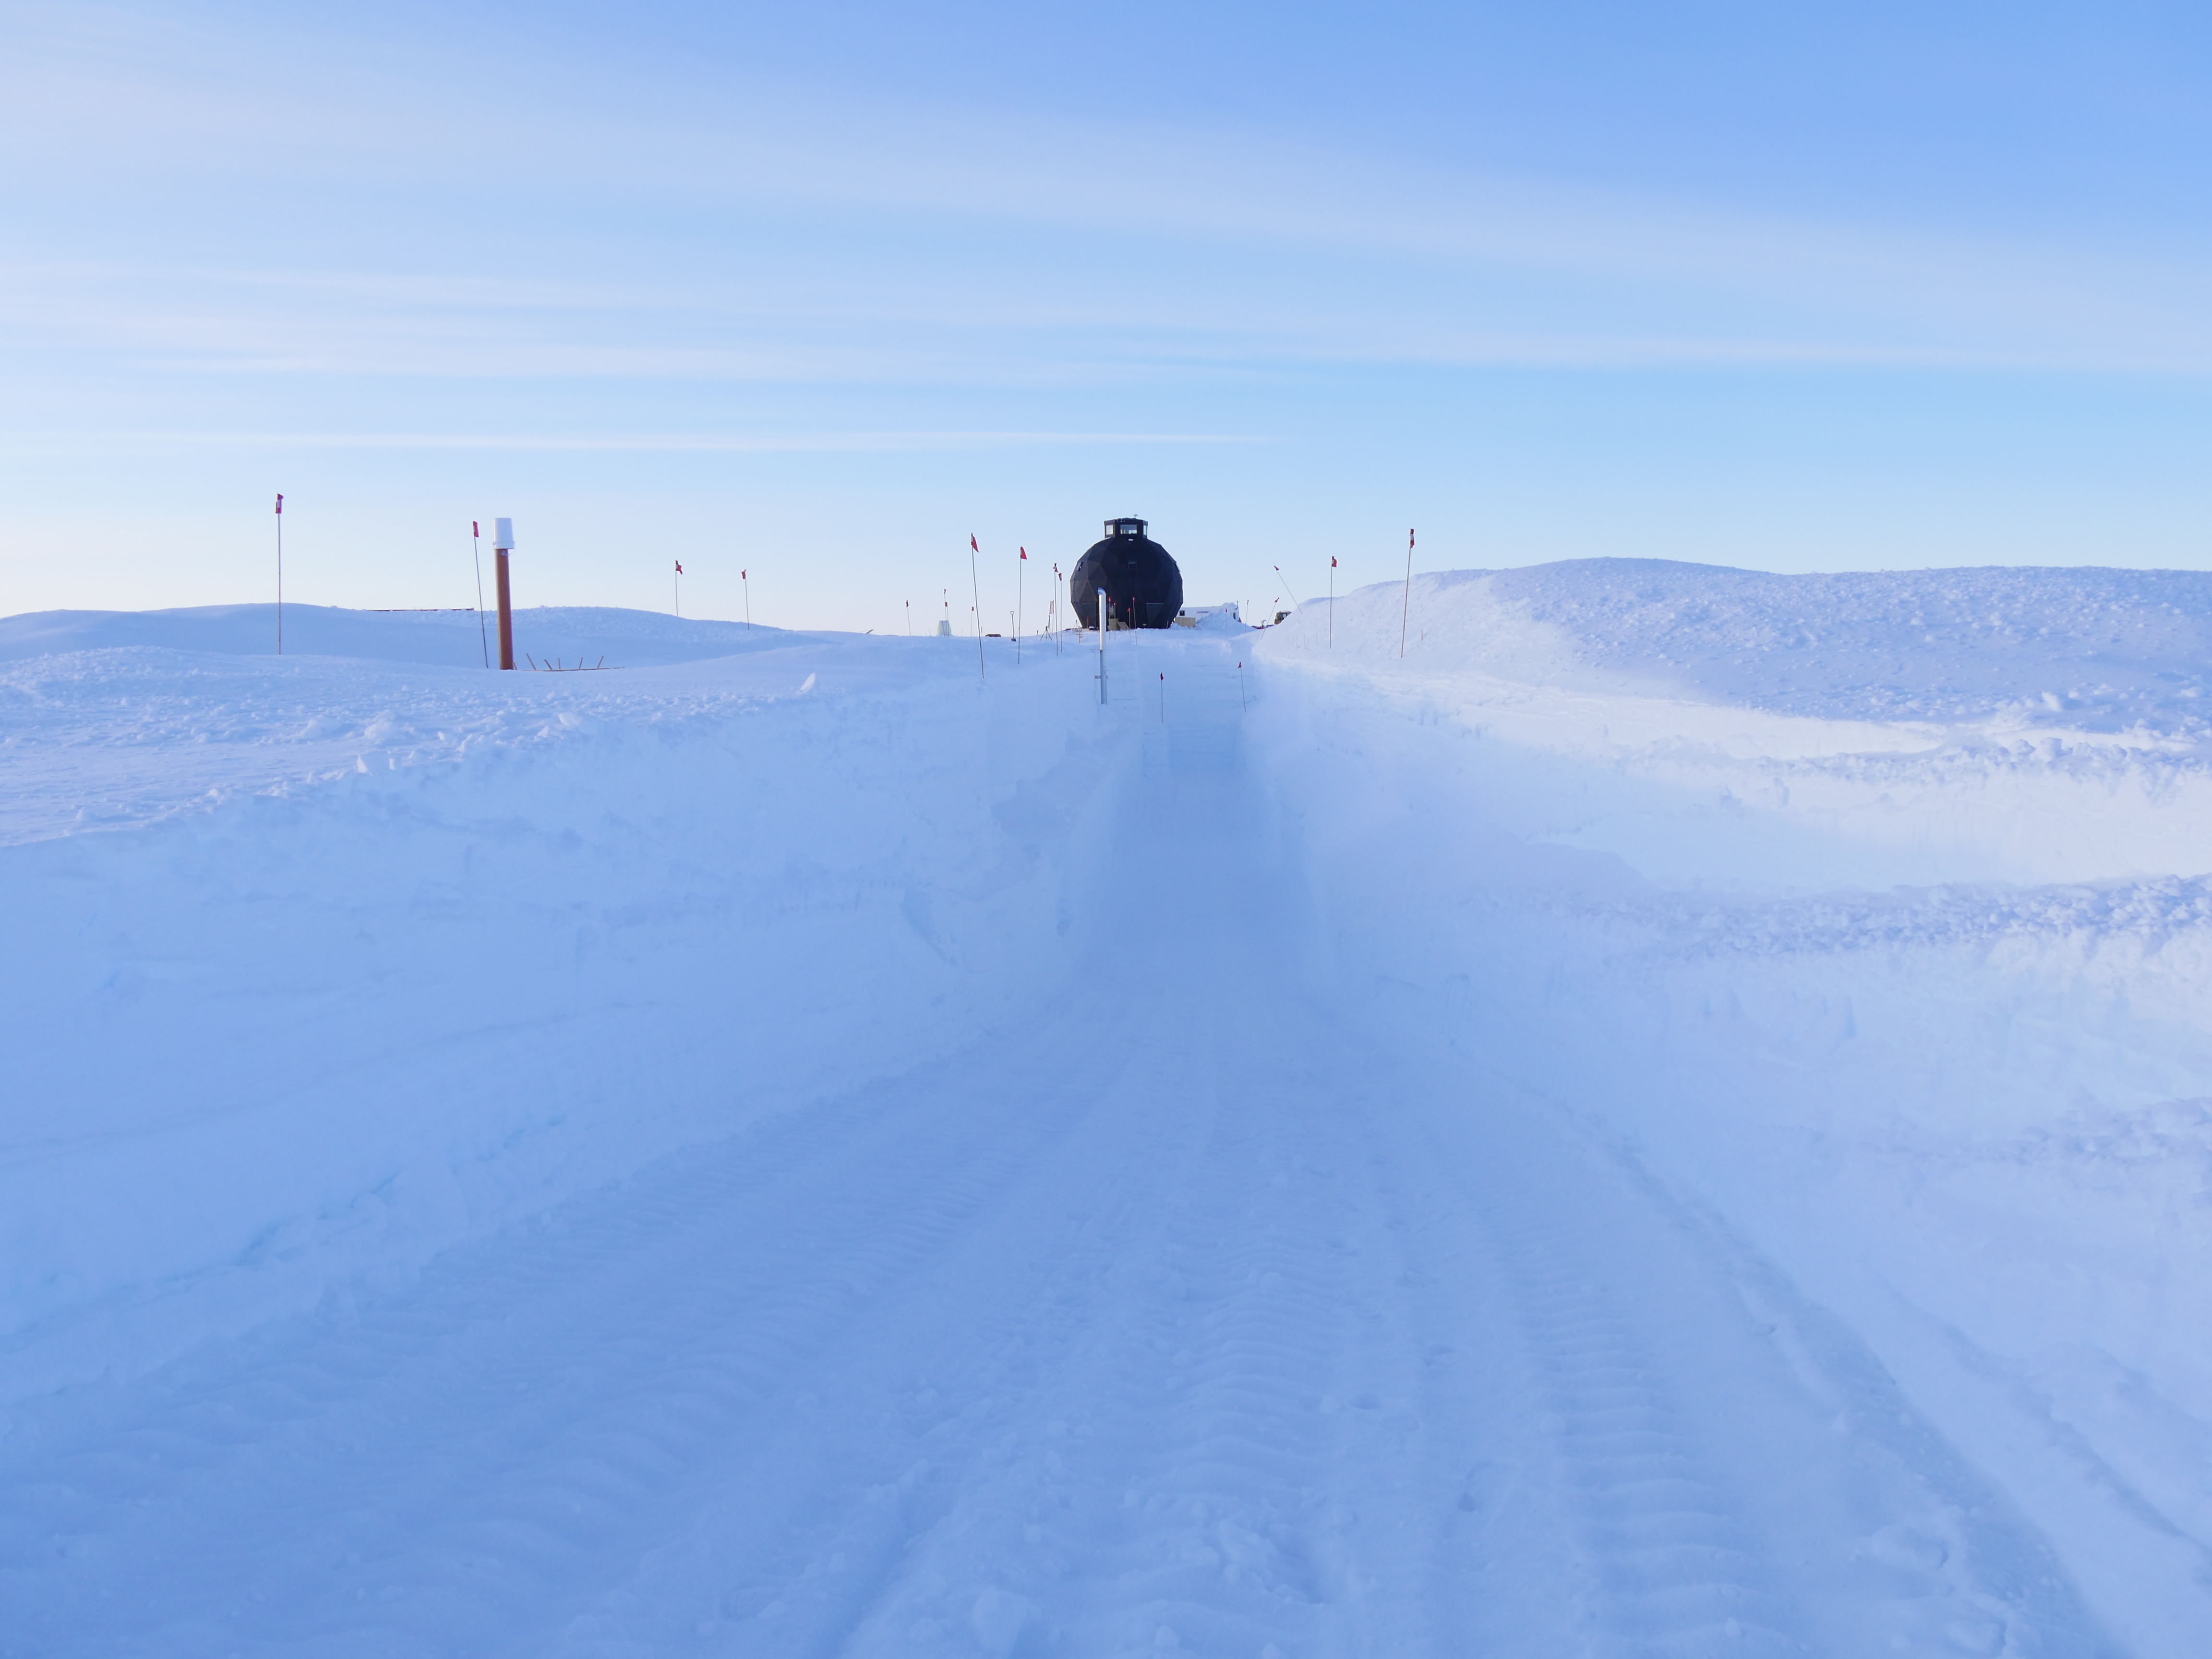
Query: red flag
972	548
1332	561
679	567
1025	553
280	506
473	530
741	575
1409	541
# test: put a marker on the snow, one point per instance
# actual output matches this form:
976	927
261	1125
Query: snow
1676	1117
566	635
2093	649
1728	726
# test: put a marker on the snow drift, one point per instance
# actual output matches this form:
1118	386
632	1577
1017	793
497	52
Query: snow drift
568	636
394	954
1736	727
1806	894
2094	649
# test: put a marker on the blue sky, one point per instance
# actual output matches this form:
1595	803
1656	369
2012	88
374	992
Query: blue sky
818	291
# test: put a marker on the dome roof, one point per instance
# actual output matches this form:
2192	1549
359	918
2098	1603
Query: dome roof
1142	582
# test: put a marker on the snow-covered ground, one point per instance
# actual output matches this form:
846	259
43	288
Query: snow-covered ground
1676	1117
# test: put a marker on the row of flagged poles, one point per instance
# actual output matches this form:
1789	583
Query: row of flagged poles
744	582
503	545
975	594
1405	607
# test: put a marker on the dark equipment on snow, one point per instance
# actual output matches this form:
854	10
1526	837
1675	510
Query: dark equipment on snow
1144	588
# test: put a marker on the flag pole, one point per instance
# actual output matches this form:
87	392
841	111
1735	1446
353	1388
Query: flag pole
746	581
1020	570
1407	608
1332	601
475	550
677	582
975	589
280	573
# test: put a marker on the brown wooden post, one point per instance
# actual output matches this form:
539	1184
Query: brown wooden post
503	543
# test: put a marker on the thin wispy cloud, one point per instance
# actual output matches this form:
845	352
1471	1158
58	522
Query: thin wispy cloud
554	443
1253	223
385	325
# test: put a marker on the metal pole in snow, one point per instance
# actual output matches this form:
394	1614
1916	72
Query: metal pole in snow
280	574
1243	704
677	582
1332	601
746	581
975	589
1102	648
1021	569
1163	699
1407	608
476	551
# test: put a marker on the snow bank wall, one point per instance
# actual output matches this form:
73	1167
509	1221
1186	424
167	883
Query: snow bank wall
297	1037
2102	650
1728	726
1974	1118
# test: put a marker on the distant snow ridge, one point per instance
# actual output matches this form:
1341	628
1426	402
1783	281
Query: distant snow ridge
2100	649
567	634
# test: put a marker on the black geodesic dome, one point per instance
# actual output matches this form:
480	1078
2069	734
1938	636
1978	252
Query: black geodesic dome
1144	588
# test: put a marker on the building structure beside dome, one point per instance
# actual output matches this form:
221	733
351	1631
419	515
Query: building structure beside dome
1142	582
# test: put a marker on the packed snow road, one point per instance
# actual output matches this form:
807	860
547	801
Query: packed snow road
1143	1271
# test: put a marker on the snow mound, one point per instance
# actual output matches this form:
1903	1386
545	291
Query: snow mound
566	635
1729	727
383	956
1225	618
2094	649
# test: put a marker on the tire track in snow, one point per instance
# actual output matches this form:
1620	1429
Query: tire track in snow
1230	1535
432	1433
1672	1564
1691	1461
980	1407
1163	1491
